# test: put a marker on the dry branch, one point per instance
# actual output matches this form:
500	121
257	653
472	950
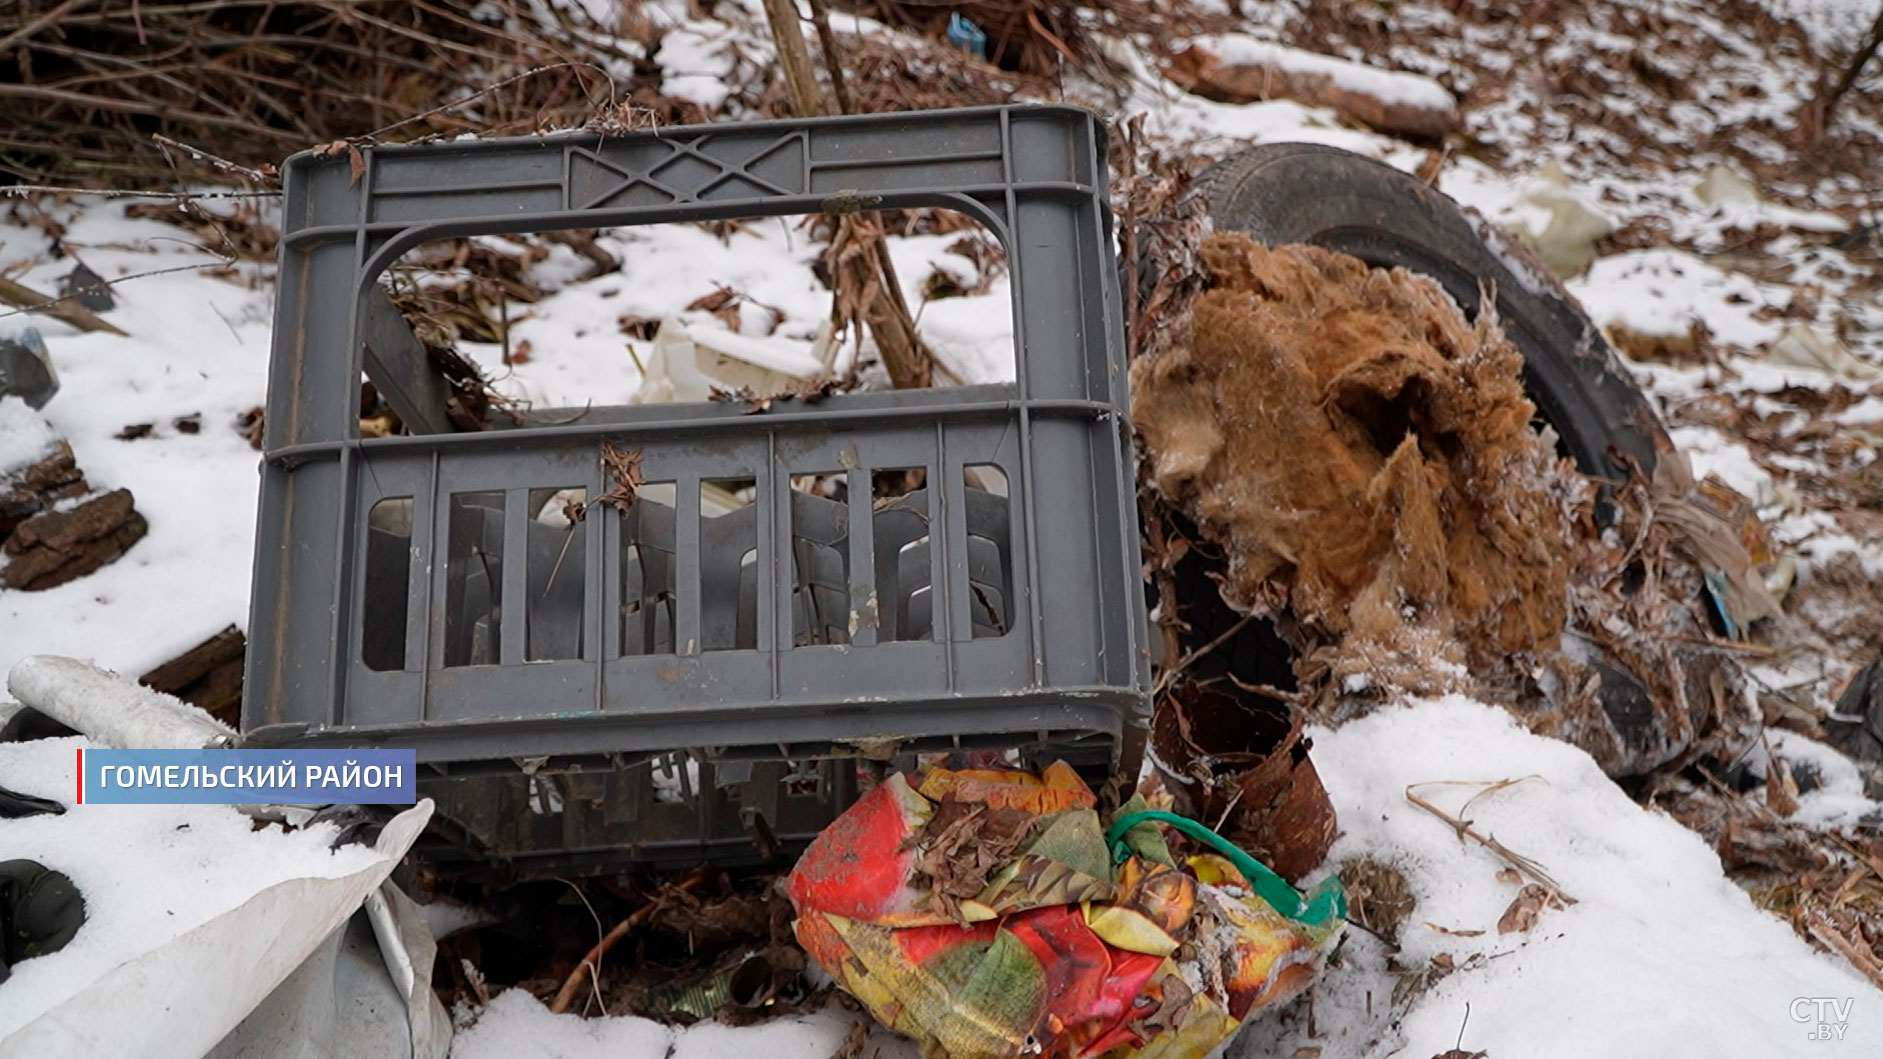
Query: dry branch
591	963
1858	60
863	282
27	299
87	84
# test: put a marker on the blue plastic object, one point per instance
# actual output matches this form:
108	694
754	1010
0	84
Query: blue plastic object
964	34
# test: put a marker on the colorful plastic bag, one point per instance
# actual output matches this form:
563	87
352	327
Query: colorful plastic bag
992	914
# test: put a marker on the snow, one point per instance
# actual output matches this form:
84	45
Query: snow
696	63
1837	798
1238	49
516	1025
1867	412
149	873
579	356
1837	23
199	346
1664	293
1660	954
1710	452
24	436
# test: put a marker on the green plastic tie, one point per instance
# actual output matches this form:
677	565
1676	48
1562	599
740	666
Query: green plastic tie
1329	899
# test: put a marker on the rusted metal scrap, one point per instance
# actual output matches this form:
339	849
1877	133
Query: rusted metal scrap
1240	763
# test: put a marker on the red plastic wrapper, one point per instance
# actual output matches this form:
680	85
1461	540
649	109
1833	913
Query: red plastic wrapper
991	914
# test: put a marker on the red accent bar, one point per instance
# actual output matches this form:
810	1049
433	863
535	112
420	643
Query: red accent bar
81	776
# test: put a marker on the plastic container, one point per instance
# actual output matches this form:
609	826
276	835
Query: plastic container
871	575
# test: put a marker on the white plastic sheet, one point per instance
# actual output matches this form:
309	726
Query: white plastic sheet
179	1000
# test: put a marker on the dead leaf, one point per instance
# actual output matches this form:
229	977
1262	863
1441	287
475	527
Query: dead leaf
249	425
1524	912
853	1042
753	402
625	468
1509	875
723	303
1781	790
1455	933
520	353
962	844
356	159
816	393
1170	1012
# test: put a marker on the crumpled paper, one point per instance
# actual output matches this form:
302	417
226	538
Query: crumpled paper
989	914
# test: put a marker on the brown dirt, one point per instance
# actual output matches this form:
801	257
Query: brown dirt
1364	456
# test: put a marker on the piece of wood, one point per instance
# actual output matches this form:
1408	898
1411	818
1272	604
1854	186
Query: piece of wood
175	676
794	59
397	363
1202	73
21	296
27	490
55	547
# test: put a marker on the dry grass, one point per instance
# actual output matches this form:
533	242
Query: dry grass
88	86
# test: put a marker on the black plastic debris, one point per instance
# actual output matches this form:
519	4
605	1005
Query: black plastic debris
40	911
89	289
27	724
14	805
1856	727
26	368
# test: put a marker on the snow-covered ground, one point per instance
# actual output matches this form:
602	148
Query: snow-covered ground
517	1026
1660	954
149	875
198	347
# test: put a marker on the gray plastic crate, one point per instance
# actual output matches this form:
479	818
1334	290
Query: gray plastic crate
872	575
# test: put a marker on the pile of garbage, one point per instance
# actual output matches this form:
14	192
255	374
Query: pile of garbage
993	914
1350	509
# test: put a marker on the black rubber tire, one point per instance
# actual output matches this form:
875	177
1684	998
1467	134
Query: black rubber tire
1308	193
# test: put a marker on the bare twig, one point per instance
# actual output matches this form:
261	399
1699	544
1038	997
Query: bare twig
863	281
1465	830
28	300
591	963
22	190
220	163
1865	52
453	104
833	65
794	59
34	25
1170	673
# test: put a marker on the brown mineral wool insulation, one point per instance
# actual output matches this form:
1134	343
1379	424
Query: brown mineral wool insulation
1363	454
